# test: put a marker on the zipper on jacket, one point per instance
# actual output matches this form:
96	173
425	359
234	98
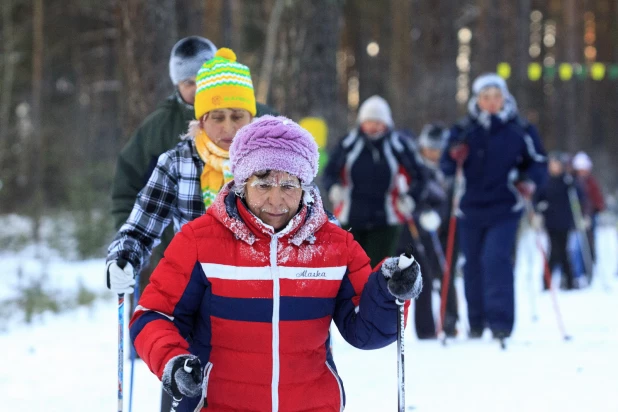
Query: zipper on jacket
203	401
338	385
275	322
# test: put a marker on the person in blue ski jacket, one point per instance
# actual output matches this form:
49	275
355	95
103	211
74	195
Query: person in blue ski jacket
503	162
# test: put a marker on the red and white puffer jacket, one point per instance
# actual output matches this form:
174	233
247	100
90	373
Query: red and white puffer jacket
256	306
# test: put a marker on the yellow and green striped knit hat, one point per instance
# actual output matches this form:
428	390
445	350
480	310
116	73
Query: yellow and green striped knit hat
223	83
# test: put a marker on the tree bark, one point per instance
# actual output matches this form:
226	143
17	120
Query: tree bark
37	165
263	88
147	34
8	76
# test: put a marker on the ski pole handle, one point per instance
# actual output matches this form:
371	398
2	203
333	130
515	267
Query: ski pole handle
176	401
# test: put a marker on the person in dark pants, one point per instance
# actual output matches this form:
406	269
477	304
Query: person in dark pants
361	180
553	203
429	215
502	160
594	204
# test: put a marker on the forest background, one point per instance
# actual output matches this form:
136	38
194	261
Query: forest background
78	76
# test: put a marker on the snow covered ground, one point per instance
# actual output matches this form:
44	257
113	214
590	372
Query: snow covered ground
67	362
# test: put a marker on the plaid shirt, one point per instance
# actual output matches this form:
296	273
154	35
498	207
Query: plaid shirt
172	193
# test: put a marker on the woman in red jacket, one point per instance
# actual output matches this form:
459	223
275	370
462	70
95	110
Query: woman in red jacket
237	314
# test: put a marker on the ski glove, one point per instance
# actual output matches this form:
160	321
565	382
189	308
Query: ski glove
120	276
459	152
405	205
404	277
430	220
336	194
526	188
182	376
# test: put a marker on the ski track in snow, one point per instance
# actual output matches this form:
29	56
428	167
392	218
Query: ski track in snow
67	362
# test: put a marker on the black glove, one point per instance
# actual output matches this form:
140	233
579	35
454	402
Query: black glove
182	376
404	276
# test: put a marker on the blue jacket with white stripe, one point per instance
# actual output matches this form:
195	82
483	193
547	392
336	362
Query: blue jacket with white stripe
500	155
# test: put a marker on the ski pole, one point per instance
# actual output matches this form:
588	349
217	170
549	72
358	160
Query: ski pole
401	403
418	244
581	231
547	276
120	349
435	241
530	215
552	291
450	245
133	352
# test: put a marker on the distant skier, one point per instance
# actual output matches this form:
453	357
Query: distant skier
361	180
255	284
503	162
432	210
553	203
594	204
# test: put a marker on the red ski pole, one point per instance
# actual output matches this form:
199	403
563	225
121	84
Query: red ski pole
450	245
547	277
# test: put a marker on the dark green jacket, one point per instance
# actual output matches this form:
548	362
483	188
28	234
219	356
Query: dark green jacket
159	132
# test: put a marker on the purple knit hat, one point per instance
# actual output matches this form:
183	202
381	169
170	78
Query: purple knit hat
274	143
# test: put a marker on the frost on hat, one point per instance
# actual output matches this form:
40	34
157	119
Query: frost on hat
274	143
188	55
489	80
375	108
582	161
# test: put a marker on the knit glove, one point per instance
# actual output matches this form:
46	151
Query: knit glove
182	376
336	194
120	276
430	220
404	276
459	152
405	205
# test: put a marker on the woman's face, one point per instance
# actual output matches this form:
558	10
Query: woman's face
491	100
373	128
221	125
274	197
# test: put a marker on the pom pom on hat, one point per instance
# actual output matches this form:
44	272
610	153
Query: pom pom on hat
226	54
274	143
